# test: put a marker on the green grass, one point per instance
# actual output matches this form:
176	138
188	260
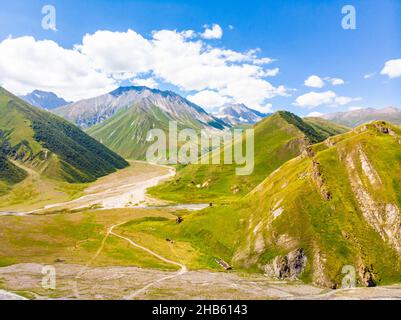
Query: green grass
76	237
336	229
51	145
326	128
278	139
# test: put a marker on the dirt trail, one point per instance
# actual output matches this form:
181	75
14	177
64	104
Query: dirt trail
183	268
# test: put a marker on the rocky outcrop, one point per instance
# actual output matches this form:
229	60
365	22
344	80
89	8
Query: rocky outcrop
319	276
366	275
288	267
384	218
368	169
317	176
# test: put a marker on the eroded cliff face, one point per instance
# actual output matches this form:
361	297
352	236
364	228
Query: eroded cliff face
287	267
384	217
334	205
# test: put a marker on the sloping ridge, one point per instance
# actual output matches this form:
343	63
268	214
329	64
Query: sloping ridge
51	145
90	112
321	215
278	138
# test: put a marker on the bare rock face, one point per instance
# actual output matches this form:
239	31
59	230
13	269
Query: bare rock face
287	267
319	179
366	274
385	218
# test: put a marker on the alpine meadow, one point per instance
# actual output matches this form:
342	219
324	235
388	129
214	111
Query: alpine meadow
154	150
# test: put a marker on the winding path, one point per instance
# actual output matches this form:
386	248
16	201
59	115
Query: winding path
183	268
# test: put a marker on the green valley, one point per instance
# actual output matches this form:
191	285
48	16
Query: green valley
278	138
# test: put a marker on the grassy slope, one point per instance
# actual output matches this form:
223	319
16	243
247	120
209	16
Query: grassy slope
52	145
126	131
75	238
278	139
10	174
326	128
334	231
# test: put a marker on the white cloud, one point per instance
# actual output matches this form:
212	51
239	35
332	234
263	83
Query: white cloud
272	72
231	27
315	114
267	108
314	82
148	82
208	99
314	99
369	75
27	64
353	108
336	81
317	82
106	58
117	53
392	68
215	32
341	101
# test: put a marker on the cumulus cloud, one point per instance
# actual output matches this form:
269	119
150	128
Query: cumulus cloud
314	82
27	64
215	32
117	53
315	114
106	58
147	82
267	108
335	81
315	99
209	99
272	72
317	82
392	68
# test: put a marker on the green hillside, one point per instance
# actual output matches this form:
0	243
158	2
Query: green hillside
326	128
278	139
336	206
10	174
126	131
52	146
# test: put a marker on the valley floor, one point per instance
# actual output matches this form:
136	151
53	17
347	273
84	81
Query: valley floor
96	255
127	282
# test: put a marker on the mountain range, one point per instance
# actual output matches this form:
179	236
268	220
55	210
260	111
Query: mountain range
360	116
122	118
320	197
50	146
236	114
43	99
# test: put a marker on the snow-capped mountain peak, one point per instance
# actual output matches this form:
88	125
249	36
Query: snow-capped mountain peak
235	114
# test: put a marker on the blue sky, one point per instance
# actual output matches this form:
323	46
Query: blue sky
303	37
